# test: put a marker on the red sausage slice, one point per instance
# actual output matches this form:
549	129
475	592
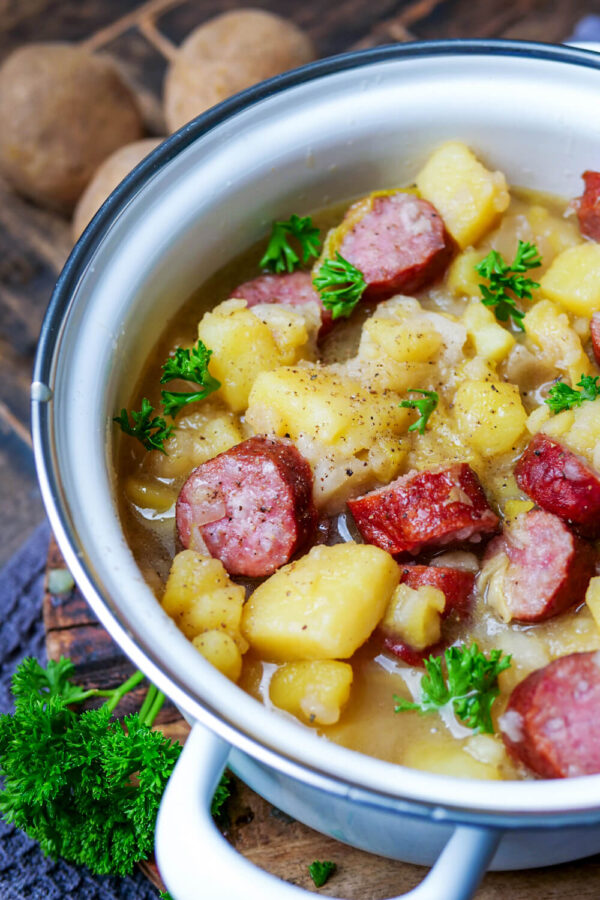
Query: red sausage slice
456	585
551	722
425	509
588	206
549	568
400	244
561	483
290	288
595	335
250	506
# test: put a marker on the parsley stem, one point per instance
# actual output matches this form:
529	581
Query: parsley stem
148	700
119	693
154	709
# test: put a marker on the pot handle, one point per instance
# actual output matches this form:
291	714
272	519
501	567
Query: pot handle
196	861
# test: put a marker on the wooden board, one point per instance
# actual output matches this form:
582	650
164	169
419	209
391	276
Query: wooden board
142	36
263	834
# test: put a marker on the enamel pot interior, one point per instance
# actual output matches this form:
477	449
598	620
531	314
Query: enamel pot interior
327	132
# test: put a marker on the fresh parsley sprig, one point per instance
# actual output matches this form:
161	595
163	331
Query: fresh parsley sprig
320	872
190	365
279	255
151	432
84	785
340	284
470	685
506	280
561	396
425	406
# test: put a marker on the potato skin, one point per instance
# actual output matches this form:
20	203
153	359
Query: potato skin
228	54
106	178
62	112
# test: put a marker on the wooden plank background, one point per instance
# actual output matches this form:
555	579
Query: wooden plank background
33	247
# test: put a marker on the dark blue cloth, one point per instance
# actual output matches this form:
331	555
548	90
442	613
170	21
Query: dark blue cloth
25	873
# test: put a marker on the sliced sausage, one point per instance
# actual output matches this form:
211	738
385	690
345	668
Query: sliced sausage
542	568
588	206
290	288
425	509
457	587
551	723
595	335
251	506
399	243
561	483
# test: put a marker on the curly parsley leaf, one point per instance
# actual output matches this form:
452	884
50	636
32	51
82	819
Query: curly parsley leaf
84	785
221	796
507	283
561	396
425	407
470	685
151	432
320	872
340	284
279	255
190	365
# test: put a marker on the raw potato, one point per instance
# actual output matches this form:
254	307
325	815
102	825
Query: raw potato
62	112
315	690
200	597
228	54
468	196
106	178
322	606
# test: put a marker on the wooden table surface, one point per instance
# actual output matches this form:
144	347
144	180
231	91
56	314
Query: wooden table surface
34	245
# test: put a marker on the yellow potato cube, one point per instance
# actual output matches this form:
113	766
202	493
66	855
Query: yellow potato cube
243	347
490	416
559	424
548	328
573	279
150	494
322	606
200	596
582	434
199	436
407	341
592	599
415	615
288	328
468	196
537	418
314	690
492	342
221	650
513	508
447	759
337	410
386	457
462	279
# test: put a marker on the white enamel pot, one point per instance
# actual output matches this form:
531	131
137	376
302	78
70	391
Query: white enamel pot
334	129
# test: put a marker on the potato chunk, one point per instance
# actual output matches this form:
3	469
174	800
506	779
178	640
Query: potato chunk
220	649
447	759
322	606
314	690
150	494
468	196
337	410
199	436
548	329
200	597
244	346
592	599
573	279
492	342
414	615
462	278
490	416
